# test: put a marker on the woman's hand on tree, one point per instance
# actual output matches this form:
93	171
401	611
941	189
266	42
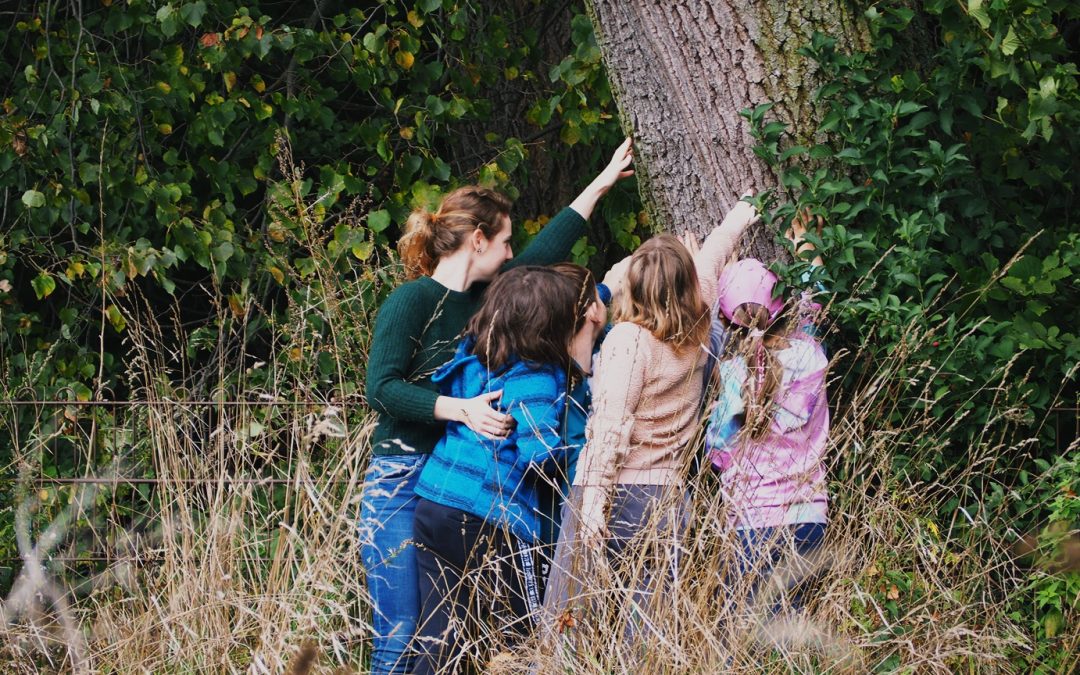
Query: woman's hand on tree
690	241
616	170
743	214
796	234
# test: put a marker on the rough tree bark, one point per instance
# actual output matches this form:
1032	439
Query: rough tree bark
683	69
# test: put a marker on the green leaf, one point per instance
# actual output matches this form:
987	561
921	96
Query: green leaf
378	220
193	13
1011	43
116	319
977	12
430	5
33	199
43	285
223	251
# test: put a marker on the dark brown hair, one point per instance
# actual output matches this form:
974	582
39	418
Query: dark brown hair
585	283
429	236
528	313
662	295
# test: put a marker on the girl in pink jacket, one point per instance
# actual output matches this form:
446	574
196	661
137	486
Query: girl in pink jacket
769	428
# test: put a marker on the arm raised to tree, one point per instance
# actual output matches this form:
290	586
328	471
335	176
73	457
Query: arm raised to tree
719	245
554	243
616	170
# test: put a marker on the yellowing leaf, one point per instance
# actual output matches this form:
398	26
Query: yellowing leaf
406	133
230	80
1011	43
236	306
75	270
363	250
43	285
278	275
404	59
1052	624
257	84
165	128
116	319
164	87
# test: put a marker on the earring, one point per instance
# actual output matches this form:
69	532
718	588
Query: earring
478	250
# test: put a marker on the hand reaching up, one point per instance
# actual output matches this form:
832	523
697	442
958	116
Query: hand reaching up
616	170
743	214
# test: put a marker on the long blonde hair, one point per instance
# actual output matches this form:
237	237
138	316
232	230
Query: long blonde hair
662	294
429	236
755	338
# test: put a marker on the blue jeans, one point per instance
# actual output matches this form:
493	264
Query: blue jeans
386	549
762	548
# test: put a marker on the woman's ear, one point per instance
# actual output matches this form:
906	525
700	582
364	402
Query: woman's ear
477	241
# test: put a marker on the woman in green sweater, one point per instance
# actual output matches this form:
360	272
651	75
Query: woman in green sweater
450	256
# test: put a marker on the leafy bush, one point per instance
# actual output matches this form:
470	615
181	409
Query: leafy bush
947	191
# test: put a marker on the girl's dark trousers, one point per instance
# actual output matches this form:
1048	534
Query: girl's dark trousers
478	585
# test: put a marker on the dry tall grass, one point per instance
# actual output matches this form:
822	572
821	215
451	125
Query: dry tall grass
227	575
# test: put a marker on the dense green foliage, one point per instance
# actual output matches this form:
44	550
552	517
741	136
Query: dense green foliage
948	190
139	142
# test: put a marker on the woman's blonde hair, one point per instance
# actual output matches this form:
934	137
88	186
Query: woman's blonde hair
661	294
429	236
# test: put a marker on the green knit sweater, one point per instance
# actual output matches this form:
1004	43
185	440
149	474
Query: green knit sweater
416	331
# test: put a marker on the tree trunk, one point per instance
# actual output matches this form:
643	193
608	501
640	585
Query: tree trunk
682	70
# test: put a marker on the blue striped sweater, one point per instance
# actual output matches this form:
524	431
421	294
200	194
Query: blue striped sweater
496	479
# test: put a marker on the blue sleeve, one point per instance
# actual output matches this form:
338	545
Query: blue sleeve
533	398
723	422
807	305
604	293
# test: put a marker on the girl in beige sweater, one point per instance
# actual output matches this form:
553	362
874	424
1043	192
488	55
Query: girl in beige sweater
647	392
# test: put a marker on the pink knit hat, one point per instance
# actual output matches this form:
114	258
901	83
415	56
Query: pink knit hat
748	280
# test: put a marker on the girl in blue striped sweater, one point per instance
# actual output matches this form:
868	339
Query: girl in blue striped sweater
477	525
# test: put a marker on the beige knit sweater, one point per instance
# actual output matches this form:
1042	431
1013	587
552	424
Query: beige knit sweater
646	396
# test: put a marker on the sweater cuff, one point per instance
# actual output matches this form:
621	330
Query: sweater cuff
605	294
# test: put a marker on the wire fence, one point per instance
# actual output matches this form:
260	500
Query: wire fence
245	450
61	447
